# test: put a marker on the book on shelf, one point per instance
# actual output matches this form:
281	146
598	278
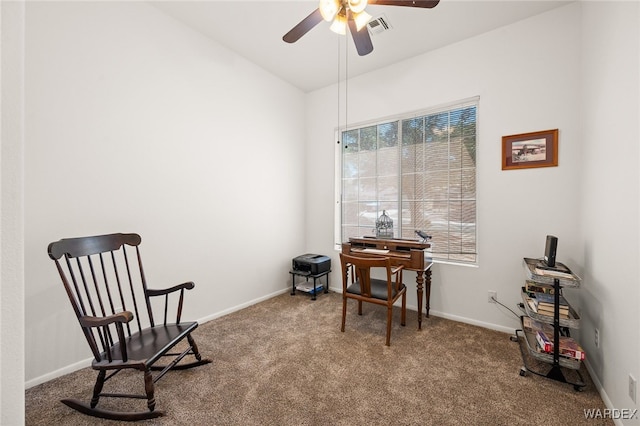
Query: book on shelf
550	299
534	287
530	325
550	308
550	313
568	347
547	301
534	306
543	341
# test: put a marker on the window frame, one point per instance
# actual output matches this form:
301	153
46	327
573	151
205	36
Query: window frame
450	106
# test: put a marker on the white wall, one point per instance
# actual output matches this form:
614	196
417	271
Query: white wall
135	123
556	70
611	194
12	18
525	75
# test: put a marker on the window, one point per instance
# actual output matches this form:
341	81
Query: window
421	170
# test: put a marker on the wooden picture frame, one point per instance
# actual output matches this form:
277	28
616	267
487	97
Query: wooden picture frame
528	150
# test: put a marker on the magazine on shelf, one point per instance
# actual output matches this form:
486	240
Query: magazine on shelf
549	277
557	267
532	305
307	287
552	273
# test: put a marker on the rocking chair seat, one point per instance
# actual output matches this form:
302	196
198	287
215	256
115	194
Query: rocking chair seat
145	347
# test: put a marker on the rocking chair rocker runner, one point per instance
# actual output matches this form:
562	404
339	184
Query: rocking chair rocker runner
106	285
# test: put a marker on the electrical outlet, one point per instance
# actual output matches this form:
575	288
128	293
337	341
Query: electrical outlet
492	297
596	337
632	388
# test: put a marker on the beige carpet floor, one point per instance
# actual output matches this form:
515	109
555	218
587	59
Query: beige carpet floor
285	362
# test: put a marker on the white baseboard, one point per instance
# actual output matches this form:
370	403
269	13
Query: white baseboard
241	306
601	391
58	373
490	326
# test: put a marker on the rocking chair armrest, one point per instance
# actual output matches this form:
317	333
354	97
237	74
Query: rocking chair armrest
122	317
188	286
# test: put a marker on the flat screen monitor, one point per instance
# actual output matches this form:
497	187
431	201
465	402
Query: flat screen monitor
550	251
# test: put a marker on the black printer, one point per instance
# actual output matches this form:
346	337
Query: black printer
312	263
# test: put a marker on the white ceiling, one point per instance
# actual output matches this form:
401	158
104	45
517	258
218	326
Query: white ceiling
254	29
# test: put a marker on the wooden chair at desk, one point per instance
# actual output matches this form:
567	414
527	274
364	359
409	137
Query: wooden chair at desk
363	288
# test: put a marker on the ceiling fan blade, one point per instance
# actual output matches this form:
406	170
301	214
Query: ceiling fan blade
361	38
303	27
427	4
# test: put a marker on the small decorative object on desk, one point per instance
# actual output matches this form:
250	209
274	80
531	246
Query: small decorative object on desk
384	226
424	237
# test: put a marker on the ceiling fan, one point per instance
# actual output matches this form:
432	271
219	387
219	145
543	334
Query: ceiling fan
349	13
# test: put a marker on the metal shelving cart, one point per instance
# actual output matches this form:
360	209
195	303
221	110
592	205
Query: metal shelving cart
563	369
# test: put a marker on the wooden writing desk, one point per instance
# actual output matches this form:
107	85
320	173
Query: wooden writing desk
408	253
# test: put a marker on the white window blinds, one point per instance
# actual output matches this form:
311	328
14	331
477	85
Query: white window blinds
421	170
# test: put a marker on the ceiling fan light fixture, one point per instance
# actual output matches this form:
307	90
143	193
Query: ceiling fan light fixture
361	19
341	13
357	6
329	9
339	25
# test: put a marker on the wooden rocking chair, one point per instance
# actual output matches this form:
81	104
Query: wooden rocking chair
107	288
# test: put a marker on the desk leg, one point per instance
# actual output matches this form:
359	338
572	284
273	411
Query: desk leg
428	282
419	286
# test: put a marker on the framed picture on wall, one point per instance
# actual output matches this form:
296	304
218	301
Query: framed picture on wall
528	150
